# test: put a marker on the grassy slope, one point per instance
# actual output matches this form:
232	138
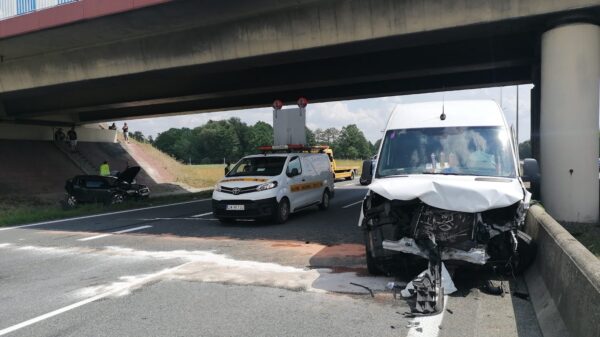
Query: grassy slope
193	175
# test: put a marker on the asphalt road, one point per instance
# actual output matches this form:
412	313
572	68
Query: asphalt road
176	271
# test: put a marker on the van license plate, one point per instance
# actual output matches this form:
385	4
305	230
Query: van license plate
235	207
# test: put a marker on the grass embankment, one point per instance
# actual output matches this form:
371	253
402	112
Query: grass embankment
16	211
588	235
198	176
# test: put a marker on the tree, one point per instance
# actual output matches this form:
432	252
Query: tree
376	146
525	149
352	143
138	135
310	137
260	134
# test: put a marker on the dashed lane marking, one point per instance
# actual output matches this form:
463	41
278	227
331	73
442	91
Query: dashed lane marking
352	204
203	214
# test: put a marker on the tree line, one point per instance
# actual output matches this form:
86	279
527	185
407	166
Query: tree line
232	139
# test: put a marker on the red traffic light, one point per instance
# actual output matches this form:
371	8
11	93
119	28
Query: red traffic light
302	102
277	104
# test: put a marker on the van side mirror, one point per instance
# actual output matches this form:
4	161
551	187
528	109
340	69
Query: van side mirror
531	171
293	173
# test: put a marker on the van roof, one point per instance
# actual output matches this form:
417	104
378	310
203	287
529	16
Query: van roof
458	113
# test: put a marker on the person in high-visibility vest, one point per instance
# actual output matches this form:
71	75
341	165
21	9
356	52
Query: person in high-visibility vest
104	169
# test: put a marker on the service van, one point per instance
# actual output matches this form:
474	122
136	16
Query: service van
273	185
446	187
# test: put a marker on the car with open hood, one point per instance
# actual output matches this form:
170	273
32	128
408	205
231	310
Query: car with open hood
105	189
446	187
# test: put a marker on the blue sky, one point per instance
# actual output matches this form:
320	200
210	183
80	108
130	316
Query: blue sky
369	114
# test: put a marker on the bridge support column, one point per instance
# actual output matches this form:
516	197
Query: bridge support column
570	75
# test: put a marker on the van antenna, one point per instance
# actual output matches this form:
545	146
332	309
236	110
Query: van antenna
443	115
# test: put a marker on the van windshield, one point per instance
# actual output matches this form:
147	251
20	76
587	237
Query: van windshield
479	151
258	166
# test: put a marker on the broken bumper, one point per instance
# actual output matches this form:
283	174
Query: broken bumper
475	255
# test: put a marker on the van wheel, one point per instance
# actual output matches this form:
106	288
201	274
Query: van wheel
282	212
324	200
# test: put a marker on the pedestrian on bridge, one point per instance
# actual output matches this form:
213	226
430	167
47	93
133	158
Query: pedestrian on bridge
104	169
126	132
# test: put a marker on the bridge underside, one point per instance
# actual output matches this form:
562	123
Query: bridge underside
477	55
320	75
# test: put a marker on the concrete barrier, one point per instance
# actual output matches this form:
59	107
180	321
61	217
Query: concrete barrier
564	280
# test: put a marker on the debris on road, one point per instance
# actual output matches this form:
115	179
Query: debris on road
365	287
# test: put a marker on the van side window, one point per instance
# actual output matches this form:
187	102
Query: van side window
294	164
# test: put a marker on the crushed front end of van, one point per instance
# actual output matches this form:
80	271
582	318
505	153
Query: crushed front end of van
445	191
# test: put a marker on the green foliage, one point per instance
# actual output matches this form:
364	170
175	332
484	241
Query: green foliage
232	139
352	144
525	149
138	135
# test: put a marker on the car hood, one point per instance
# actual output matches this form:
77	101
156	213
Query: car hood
129	174
455	193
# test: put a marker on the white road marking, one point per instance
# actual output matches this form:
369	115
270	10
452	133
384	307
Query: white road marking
117	232
102	214
203	214
352	204
155	219
429	326
88	300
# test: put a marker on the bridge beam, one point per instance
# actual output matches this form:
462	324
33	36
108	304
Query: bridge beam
570	74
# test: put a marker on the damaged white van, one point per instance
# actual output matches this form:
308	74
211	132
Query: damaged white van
446	188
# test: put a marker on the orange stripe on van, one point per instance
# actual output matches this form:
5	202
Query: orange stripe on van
245	179
306	186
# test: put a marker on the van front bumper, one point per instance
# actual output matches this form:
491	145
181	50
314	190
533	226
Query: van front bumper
252	208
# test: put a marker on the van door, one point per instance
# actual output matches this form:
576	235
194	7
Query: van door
313	182
296	184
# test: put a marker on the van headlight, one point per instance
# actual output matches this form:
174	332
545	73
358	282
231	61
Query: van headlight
266	186
217	187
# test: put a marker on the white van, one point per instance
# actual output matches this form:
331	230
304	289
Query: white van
273	186
446	188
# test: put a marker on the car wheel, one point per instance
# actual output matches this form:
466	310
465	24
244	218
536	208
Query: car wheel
351	176
283	211
324	200
117	198
71	201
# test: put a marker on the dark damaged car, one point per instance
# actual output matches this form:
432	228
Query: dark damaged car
446	189
105	189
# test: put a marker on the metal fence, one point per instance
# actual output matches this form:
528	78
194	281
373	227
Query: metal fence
11	8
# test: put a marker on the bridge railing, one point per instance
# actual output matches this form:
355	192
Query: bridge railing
12	8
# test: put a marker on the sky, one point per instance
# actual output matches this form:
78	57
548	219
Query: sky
370	115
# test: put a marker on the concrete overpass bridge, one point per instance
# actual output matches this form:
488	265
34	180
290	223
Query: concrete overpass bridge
92	60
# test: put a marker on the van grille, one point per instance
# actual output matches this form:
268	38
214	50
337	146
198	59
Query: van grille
238	190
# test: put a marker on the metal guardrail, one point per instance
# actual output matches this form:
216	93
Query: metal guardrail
12	8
